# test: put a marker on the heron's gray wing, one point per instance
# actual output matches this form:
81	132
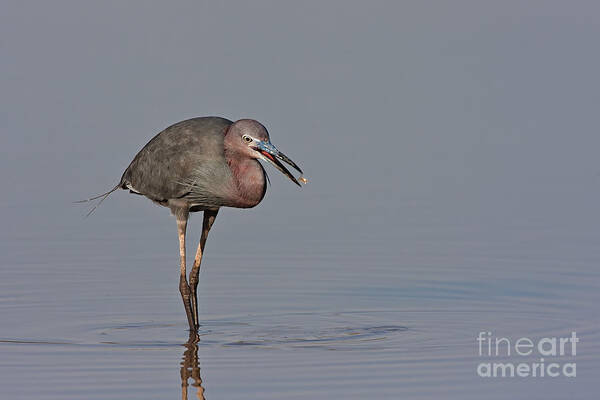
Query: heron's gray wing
167	167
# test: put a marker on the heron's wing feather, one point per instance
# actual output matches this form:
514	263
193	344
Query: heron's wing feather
209	184
168	166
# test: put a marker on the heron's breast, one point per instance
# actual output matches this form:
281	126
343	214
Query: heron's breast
250	183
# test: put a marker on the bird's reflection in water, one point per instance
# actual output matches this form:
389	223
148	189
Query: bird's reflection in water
190	369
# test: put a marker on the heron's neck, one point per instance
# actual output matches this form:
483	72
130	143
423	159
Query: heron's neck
249	178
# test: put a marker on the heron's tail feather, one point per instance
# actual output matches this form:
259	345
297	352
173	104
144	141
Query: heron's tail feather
102	197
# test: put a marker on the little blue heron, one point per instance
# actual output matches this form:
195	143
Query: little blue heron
202	164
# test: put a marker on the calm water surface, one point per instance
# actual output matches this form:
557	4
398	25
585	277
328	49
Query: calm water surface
90	308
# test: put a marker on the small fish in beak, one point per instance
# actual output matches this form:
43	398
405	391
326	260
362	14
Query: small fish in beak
269	153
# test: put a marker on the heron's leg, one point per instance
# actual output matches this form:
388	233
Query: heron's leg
184	288
209	219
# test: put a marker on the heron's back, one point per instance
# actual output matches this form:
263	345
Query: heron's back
188	153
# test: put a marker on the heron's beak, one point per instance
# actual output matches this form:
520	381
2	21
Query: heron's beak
269	153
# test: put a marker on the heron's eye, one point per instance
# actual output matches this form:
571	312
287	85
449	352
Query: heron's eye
247	139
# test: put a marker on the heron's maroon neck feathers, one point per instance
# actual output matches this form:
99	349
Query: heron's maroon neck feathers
248	175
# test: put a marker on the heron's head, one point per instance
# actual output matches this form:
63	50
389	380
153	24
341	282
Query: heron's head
250	138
